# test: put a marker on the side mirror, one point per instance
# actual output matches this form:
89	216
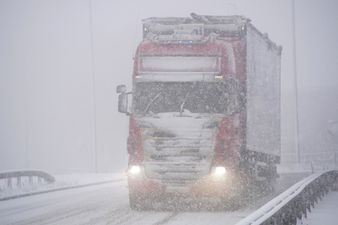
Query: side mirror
121	89
123	106
123	103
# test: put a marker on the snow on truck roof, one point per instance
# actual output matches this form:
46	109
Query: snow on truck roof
197	18
197	28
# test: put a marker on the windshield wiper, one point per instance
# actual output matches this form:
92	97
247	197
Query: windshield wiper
152	100
185	98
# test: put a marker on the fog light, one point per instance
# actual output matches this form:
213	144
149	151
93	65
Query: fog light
135	170
218	171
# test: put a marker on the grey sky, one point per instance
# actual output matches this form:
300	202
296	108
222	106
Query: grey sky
46	86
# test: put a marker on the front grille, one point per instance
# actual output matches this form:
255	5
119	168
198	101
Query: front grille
178	160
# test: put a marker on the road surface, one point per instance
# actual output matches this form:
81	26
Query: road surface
107	204
325	212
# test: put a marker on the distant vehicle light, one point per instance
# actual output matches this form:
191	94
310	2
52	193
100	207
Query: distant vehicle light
218	171
135	170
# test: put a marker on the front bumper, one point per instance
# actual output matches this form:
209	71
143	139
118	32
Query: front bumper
208	186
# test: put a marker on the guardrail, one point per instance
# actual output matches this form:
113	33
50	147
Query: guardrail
19	177
295	202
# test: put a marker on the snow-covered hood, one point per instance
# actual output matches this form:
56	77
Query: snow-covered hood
178	146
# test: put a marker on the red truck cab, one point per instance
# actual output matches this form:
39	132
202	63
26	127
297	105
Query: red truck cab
188	114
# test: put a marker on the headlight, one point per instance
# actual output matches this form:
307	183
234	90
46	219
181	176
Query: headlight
218	171
134	170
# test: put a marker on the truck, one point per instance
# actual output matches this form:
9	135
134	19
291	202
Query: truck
204	110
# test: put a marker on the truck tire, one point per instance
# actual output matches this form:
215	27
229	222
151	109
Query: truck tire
139	202
236	197
229	204
135	202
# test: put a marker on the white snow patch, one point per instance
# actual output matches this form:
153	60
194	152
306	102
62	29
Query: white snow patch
61	181
325	212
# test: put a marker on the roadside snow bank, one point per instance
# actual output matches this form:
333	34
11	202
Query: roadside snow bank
62	182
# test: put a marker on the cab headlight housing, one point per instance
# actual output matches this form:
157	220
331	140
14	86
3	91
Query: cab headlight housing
134	170
218	172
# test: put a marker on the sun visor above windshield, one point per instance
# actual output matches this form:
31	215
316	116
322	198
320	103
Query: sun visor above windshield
179	64
178	76
178	68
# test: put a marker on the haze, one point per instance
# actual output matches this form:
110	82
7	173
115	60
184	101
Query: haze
60	62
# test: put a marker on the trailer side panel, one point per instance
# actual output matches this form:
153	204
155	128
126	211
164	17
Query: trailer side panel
263	93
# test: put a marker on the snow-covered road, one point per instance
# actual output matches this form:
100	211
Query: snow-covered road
325	212
108	204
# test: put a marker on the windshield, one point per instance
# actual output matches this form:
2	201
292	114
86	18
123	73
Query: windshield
196	97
